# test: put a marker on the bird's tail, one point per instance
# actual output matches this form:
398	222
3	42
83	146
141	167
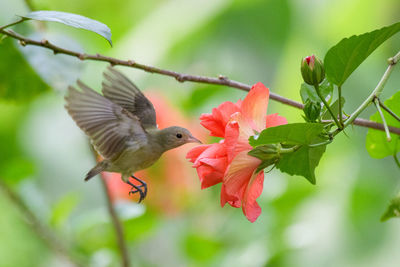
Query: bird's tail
101	166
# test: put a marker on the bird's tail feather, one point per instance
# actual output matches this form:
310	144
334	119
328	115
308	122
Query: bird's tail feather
101	166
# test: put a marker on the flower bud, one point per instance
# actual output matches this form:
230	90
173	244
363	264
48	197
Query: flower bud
312	111
312	70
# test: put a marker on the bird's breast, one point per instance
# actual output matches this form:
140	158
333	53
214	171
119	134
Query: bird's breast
133	160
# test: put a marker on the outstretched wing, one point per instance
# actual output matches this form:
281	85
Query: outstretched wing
120	90
111	128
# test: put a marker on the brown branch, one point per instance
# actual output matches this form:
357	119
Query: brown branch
119	231
40	229
181	77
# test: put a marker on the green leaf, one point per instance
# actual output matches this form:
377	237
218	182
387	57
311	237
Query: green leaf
302	162
393	210
308	91
19	82
335	109
267	153
63	209
201	248
73	20
294	133
343	58
376	142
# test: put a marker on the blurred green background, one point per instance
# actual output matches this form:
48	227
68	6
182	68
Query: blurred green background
44	156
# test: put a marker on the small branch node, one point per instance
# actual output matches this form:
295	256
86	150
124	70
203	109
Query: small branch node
22	42
222	77
180	78
45	42
131	62
82	56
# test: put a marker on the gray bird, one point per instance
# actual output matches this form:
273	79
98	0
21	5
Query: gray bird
121	125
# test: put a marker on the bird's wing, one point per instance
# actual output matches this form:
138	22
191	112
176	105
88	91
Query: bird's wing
111	128
120	90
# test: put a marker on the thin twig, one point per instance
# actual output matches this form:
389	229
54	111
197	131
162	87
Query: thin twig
119	231
388	137
221	80
375	93
40	229
394	115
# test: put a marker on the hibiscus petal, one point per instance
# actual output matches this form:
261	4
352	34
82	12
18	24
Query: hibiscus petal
237	133
239	174
220	116
231	200
273	120
195	152
254	106
250	207
208	176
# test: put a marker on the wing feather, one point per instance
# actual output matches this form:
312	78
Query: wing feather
120	90
111	128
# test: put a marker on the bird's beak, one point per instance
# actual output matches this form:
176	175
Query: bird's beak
193	139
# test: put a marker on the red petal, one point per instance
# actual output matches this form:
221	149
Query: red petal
250	207
254	106
275	120
239	174
220	116
195	152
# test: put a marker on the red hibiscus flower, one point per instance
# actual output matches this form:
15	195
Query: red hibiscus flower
228	162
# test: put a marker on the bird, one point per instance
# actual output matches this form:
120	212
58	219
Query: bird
121	125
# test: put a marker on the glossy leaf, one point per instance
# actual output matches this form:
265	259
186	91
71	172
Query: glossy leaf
393	210
343	58
294	133
72	20
302	162
15	72
376	142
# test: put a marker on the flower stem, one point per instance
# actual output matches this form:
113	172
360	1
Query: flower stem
376	102
316	86
340	106
289	150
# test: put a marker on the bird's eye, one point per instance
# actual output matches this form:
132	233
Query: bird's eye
179	135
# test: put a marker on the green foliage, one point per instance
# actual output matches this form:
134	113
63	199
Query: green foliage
304	159
393	210
302	162
63	208
376	142
308	92
201	248
293	133
72	20
19	82
335	109
343	58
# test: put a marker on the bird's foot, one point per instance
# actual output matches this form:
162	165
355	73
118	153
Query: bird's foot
138	188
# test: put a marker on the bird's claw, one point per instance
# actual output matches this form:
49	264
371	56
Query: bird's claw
137	188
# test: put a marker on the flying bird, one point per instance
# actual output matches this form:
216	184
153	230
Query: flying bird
121	125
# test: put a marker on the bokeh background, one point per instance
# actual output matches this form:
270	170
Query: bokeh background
44	156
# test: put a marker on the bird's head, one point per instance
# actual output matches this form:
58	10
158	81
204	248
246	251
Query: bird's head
175	136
